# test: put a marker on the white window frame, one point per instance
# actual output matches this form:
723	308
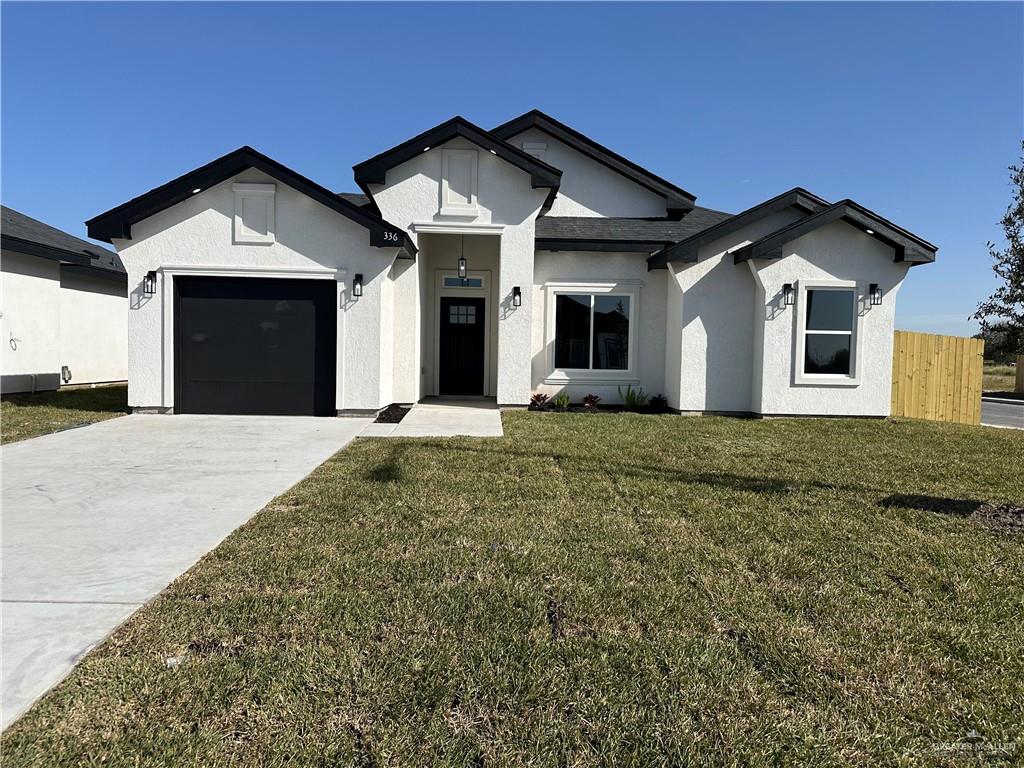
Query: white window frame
851	379
264	193
448	206
630	288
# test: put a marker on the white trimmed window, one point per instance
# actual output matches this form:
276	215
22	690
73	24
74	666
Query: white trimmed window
592	332
828	333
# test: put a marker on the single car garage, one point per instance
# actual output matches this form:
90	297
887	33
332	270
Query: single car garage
255	346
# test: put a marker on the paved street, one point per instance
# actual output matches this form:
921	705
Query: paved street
1002	413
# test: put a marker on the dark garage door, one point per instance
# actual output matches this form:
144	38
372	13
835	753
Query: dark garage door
255	346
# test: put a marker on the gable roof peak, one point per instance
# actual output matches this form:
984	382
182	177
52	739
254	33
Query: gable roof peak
678	202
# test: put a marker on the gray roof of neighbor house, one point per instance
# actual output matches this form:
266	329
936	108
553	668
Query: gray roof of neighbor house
564	233
23	234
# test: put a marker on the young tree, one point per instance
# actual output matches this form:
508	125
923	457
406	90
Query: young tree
1005	307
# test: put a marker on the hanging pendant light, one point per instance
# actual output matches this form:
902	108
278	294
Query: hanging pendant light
462	260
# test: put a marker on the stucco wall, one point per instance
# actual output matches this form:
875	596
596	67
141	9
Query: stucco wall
410	197
716	332
30	292
93	328
649	316
589	188
405	383
198	232
56	318
836	251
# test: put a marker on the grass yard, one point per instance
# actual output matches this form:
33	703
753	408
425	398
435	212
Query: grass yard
998	378
615	590
31	415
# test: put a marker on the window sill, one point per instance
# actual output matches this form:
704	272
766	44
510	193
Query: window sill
590	377
804	380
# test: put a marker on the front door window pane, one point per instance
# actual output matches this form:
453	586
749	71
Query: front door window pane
572	330
611	332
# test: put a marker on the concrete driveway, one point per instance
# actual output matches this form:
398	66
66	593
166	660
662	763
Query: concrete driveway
97	520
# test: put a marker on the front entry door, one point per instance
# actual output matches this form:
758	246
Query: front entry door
461	367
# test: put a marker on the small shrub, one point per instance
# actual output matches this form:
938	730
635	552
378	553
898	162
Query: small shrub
659	404
560	401
590	402
633	399
539	402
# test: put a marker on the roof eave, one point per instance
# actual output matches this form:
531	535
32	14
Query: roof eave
907	247
686	251
374	170
31	248
118	221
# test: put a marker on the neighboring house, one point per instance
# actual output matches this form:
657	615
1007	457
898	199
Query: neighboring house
63	308
501	263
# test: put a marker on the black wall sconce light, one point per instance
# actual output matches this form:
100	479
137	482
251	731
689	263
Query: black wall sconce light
357	285
875	292
149	283
517	296
788	295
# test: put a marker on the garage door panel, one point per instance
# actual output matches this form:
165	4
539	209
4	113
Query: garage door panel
255	346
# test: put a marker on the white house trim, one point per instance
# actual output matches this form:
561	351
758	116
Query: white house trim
465	160
455	228
256	199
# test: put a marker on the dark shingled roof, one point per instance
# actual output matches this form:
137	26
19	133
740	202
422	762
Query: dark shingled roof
575	232
24	234
356	198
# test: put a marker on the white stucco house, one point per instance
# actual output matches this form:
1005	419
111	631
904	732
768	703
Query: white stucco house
63	308
500	263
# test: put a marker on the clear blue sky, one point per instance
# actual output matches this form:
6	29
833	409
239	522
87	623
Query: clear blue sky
913	110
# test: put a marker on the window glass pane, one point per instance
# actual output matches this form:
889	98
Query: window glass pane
572	330
829	310
611	332
469	282
827	353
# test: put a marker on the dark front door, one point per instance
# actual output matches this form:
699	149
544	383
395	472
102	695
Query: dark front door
461	369
255	346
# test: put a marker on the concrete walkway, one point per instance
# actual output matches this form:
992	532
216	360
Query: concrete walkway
98	520
444	418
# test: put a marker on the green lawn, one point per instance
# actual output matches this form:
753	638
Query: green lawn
590	590
998	378
31	415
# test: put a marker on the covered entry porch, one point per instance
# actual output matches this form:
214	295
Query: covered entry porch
460	310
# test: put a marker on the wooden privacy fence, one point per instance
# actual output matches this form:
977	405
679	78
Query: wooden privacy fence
1019	381
937	377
